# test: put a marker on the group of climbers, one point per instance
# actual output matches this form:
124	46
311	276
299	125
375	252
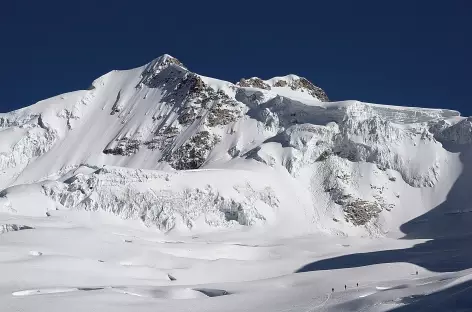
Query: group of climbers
345	287
357	285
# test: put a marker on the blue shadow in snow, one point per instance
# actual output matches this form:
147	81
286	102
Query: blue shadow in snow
449	226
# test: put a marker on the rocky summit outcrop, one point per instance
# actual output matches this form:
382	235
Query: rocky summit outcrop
253	83
304	84
301	84
291	82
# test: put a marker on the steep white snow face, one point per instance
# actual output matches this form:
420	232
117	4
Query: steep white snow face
180	151
357	133
335	148
135	118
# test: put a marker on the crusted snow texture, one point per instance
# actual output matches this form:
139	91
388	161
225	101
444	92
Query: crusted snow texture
138	194
356	132
34	139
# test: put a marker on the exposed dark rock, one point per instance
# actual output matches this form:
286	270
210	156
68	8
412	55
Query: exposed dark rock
159	142
312	89
189	97
233	213
303	85
154	68
280	83
223	110
115	108
189	94
253	83
357	211
234	151
360	212
324	155
124	147
222	116
68	115
193	153
4	228
171	131
188	115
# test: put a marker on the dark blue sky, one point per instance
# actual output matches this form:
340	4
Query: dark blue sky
403	52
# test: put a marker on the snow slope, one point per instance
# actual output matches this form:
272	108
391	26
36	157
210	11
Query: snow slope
87	261
174	153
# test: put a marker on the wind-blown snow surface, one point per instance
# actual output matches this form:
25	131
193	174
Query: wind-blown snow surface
158	184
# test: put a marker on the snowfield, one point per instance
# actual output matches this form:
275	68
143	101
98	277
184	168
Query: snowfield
158	189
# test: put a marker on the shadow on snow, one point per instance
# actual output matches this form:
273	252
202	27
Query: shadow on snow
455	298
449	226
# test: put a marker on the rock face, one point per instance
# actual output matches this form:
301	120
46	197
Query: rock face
254	83
189	102
304	84
194	152
5	228
170	147
153	69
291	82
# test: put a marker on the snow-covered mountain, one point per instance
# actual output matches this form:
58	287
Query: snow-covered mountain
183	152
